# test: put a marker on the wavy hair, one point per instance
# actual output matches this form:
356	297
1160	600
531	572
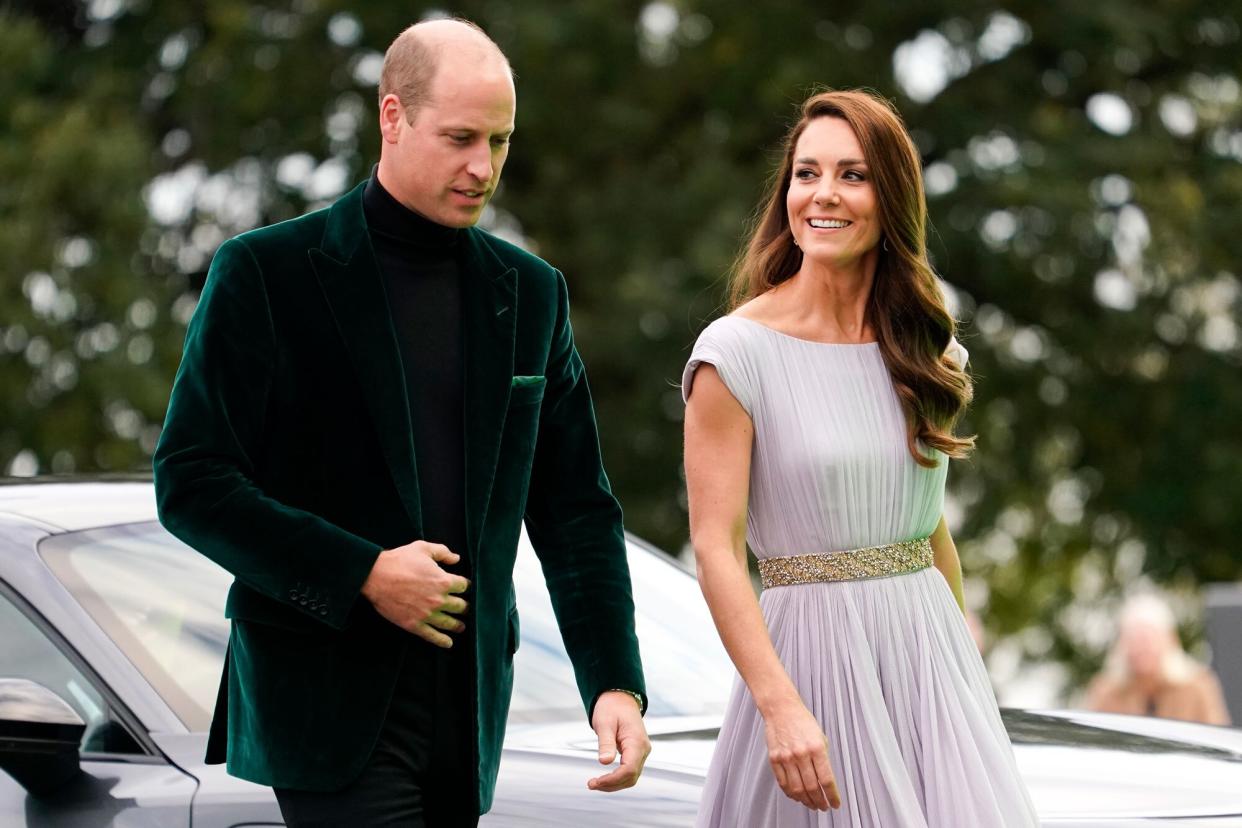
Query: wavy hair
906	308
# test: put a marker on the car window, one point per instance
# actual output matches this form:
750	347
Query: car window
160	601
685	666
29	654
163	604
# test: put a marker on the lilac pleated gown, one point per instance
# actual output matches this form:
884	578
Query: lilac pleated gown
886	665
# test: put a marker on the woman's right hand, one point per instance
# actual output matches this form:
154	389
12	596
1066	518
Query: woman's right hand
798	751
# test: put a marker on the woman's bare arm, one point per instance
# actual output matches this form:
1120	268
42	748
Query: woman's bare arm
944	552
719	435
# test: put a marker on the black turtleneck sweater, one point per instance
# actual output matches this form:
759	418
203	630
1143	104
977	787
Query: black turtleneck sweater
418	261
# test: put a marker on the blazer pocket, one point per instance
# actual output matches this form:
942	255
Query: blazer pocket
526	390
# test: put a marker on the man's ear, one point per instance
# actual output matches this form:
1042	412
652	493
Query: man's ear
391	118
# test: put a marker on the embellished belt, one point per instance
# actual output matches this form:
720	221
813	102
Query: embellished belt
871	562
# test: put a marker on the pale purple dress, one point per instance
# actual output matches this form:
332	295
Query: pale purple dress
886	665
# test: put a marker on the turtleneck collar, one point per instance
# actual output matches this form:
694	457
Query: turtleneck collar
391	219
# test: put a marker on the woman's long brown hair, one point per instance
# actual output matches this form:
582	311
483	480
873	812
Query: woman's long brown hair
906	308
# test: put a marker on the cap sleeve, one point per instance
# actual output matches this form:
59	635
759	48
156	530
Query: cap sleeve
720	346
957	352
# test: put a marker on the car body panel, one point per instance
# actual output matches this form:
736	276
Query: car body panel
85	504
116	793
222	801
1081	765
1081	768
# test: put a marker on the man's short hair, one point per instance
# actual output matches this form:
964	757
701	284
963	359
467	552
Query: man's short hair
410	65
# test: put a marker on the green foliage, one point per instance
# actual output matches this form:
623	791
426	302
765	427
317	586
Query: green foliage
1095	271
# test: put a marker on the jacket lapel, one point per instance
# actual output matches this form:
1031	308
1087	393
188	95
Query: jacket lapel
489	323
349	275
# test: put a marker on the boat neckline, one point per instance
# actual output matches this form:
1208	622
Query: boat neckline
784	335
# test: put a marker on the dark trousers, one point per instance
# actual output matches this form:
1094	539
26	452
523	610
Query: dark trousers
422	771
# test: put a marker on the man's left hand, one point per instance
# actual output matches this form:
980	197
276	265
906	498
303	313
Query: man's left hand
619	723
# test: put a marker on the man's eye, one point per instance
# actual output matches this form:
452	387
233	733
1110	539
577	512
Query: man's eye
500	142
460	139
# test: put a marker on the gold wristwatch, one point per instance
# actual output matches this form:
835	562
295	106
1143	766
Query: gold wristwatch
636	696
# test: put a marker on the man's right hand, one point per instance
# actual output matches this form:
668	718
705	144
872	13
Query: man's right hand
409	588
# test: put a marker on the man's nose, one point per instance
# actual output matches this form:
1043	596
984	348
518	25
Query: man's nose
480	165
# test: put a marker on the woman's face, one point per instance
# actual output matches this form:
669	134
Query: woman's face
831	201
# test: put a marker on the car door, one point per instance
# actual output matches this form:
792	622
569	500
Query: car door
125	781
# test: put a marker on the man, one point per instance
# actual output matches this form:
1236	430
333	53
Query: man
372	399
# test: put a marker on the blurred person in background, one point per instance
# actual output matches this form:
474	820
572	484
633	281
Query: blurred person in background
1147	672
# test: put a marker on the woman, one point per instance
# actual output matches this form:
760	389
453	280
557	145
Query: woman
1149	674
818	427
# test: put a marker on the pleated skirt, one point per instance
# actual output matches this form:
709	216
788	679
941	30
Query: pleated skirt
889	669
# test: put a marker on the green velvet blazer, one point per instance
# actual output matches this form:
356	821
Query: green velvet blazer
287	457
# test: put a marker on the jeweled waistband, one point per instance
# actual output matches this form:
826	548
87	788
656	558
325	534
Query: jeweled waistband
871	562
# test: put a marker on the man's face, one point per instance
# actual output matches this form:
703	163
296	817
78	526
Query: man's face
445	165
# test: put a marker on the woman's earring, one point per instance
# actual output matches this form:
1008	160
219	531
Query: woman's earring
884	242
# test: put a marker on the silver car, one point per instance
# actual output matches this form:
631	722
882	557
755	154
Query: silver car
112	635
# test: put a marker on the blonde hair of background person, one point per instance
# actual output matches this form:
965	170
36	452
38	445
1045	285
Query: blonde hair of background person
1148	673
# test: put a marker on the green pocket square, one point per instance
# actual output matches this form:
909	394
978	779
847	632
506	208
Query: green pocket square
518	382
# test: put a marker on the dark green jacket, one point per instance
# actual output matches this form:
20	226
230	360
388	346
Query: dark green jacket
287	457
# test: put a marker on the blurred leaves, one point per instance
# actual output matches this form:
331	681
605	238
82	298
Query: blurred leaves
1084	168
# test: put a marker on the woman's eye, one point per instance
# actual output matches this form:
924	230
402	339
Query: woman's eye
854	175
803	175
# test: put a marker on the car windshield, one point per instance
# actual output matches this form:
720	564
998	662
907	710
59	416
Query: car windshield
163	605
